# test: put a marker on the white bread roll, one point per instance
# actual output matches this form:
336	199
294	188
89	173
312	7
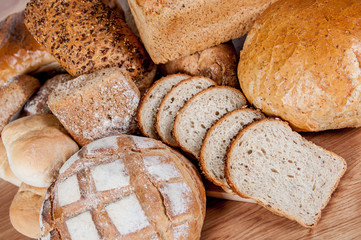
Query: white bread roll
5	171
37	146
25	210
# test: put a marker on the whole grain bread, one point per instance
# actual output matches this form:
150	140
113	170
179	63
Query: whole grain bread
217	141
280	170
174	101
201	112
96	105
86	36
151	101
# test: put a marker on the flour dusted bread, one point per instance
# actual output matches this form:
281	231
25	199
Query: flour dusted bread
301	62
96	105
174	101
5	171
87	36
25	210
13	95
173	29
125	187
276	167
148	108
19	52
218	63
37	104
201	112
36	147
217	140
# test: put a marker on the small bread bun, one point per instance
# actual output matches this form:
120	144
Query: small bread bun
37	146
25	210
5	171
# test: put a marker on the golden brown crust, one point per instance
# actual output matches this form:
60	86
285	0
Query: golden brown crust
5	171
301	62
19	52
218	63
86	36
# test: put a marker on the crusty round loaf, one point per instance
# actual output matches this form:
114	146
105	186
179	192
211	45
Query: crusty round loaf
37	146
25	210
19	52
13	95
125	187
5	171
87	36
218	63
301	62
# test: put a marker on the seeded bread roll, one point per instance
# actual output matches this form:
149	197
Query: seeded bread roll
151	101
19	52
280	170
218	63
217	141
201	112
37	146
301	62
96	105
25	210
86	36
13	95
174	101
5	171
37	104
125	187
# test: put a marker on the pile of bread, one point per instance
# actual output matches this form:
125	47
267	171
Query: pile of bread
74	75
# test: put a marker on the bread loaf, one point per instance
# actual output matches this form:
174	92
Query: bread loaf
36	147
13	95
5	171
87	36
125	187
301	61
174	101
151	101
25	210
218	63
282	171
37	104
19	52
201	112
173	29
96	105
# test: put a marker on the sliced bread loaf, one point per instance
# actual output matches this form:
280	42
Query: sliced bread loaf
201	112
276	167
218	138
151	101
174	101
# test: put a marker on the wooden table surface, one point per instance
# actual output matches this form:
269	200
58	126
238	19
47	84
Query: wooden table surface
341	219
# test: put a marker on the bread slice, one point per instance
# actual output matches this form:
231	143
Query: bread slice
218	138
201	112
174	101
151	101
276	167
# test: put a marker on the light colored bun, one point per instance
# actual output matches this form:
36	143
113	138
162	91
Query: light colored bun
25	210
301	62
218	63
92	37
36	147
5	171
96	105
19	52
173	29
125	187
13	95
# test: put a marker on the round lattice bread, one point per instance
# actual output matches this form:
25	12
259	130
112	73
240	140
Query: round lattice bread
125	187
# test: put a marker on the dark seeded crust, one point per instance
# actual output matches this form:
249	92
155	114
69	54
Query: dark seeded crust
202	160
268	207
86	36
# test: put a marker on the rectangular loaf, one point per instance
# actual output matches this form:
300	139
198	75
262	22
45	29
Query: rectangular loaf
172	29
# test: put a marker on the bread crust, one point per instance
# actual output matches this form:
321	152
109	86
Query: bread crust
233	186
300	62
5	171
